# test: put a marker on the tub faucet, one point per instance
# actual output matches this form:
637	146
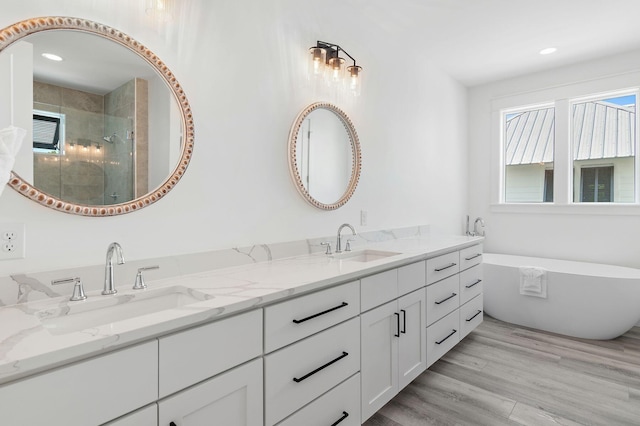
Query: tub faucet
475	227
339	239
109	287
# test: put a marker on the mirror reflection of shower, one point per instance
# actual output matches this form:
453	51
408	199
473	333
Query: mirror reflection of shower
128	136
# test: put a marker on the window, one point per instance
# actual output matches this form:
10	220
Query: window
603	133
48	131
597	185
568	150
529	137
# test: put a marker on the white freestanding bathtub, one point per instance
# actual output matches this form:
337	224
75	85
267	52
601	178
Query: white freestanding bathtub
586	300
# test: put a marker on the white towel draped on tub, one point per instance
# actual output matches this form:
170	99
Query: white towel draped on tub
533	281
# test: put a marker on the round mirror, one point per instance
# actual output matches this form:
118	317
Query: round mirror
324	156
112	128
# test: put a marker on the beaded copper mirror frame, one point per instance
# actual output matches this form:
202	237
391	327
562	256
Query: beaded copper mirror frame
356	156
22	29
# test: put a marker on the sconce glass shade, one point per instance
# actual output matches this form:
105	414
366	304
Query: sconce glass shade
336	71
355	79
162	10
317	62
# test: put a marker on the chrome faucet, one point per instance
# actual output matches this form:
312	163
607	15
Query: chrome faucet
475	226
109	287
339	239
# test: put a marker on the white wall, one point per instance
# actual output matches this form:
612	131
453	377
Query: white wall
242	65
603	234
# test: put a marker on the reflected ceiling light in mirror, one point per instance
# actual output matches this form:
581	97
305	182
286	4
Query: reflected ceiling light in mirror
548	51
326	63
52	57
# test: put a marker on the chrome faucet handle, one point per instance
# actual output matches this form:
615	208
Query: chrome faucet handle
347	246
78	289
328	244
140	284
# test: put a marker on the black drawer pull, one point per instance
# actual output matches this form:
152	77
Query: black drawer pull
445	267
321	313
450	334
473	257
471	285
344	416
404	321
306	376
444	300
476	314
397	334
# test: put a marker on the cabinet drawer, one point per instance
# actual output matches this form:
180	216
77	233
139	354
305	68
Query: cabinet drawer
89	392
298	318
194	355
471	315
470	283
470	256
442	298
297	374
341	404
411	277
442	267
442	336
378	289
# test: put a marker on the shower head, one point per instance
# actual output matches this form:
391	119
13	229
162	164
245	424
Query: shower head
109	139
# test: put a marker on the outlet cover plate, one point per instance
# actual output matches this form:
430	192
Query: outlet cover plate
12	236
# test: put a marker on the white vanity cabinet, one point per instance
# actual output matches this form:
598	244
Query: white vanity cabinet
454	299
233	398
89	392
393	336
312	345
147	416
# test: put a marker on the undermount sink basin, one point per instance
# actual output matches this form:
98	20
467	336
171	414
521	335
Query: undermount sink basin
103	310
365	255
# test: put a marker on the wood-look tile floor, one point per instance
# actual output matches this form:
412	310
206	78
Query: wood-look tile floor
502	374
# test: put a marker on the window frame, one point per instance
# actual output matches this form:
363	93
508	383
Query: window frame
60	132
610	86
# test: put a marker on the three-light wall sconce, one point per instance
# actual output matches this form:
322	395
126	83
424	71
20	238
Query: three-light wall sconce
325	63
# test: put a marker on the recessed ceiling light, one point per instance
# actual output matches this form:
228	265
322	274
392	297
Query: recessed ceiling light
52	57
548	50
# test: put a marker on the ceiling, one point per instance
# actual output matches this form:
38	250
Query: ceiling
475	41
479	41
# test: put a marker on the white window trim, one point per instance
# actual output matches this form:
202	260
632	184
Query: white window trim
560	97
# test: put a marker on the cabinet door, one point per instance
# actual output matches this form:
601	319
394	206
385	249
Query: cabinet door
233	398
379	357
412	353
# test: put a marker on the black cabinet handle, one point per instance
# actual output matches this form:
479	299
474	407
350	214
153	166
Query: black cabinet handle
450	334
476	314
404	321
472	284
473	257
397	334
321	313
306	376
344	416
444	300
445	267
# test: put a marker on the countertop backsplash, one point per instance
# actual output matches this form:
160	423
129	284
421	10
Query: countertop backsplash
28	287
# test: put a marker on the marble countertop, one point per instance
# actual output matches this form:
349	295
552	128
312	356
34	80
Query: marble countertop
28	345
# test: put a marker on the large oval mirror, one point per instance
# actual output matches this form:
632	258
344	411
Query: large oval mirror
112	128
324	156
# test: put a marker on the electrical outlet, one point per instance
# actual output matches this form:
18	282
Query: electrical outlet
12	236
364	216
